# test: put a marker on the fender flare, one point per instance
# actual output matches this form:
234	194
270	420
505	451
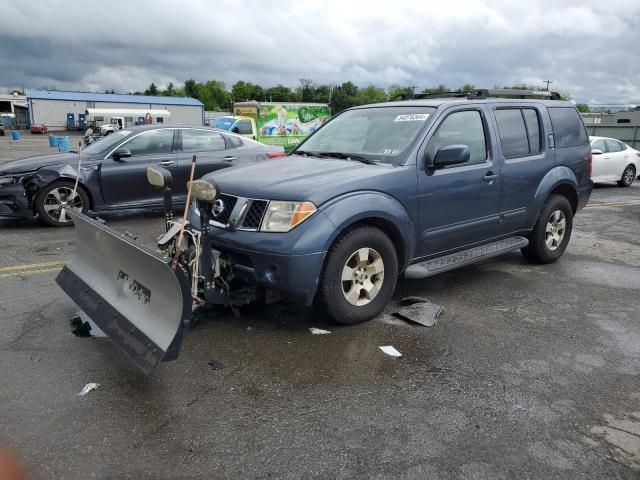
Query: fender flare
349	209
556	177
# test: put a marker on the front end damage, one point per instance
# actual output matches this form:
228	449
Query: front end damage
143	298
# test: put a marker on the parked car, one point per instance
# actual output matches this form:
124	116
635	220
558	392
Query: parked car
614	161
113	171
39	129
411	187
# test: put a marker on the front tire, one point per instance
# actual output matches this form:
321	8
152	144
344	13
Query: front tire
359	276
551	234
628	176
52	198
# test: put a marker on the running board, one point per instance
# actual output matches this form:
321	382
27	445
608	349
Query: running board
434	266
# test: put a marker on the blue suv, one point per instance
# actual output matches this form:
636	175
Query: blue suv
414	187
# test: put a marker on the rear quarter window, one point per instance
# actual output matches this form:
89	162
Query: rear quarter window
568	129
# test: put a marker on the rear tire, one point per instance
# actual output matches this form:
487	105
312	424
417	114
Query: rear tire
628	176
551	234
54	196
359	276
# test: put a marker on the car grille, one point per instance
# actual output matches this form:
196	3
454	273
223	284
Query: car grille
254	215
250	211
228	203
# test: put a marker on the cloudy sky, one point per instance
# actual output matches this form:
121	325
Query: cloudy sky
588	48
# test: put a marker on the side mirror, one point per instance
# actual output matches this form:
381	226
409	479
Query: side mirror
596	151
451	155
235	130
159	177
121	153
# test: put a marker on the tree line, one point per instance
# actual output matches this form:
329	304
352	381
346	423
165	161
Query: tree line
217	97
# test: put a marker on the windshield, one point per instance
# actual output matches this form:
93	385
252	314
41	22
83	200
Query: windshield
224	123
380	134
106	143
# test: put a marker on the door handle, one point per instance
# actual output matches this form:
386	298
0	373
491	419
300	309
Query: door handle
166	163
229	158
489	177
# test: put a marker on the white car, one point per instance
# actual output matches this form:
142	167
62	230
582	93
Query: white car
614	161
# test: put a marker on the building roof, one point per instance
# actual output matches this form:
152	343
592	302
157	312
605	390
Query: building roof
109	97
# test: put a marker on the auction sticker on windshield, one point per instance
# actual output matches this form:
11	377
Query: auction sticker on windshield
413	117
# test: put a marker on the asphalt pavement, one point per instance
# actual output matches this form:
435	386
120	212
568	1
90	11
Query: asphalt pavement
531	372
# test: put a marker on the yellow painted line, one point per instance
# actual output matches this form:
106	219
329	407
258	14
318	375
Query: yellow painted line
613	204
29	272
30	266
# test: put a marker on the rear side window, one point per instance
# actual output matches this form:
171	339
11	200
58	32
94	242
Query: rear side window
519	131
613	146
568	130
513	134
201	141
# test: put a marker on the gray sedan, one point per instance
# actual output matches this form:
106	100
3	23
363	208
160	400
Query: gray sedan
112	174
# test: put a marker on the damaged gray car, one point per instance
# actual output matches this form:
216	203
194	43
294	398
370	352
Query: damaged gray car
112	174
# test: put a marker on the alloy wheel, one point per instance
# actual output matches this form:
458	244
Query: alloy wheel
362	276
555	230
59	199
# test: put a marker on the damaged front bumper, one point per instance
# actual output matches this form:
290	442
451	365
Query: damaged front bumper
14	202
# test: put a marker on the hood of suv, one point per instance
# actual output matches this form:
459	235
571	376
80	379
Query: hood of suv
300	178
31	164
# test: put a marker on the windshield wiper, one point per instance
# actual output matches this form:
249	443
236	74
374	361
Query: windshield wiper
303	152
346	156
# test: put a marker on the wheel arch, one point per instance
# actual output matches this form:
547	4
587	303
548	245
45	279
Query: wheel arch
39	184
377	210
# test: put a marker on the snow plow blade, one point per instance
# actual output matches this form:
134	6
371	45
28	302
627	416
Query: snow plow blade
129	291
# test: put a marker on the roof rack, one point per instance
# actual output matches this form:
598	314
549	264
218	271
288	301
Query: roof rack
482	93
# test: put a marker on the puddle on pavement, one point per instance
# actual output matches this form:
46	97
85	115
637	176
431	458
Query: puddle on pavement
275	342
83	326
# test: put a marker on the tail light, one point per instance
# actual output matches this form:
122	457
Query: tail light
637	154
590	161
276	154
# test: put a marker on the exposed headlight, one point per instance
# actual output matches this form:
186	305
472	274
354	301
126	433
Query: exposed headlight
283	216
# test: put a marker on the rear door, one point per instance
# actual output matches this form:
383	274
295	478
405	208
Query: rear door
525	161
212	153
459	204
620	157
124	181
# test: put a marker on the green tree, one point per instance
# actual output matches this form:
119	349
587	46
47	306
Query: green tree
439	89
191	88
343	97
244	91
279	93
583	107
214	95
396	90
152	90
170	91
370	94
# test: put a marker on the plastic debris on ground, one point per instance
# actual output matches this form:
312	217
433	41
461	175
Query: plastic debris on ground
216	365
391	351
318	331
88	387
419	310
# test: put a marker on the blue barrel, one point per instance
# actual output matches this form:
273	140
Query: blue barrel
63	144
53	141
15	135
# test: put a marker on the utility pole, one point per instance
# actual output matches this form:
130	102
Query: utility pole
547	82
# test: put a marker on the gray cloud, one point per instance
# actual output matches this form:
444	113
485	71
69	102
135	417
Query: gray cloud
587	48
